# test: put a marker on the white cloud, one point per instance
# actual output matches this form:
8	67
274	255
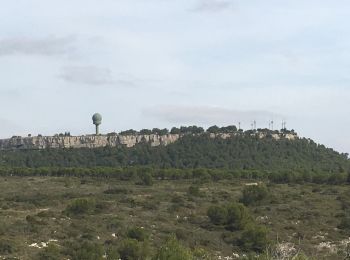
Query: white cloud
47	46
93	76
213	5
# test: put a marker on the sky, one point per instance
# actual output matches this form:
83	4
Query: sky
162	63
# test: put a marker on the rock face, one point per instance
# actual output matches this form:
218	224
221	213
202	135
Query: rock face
88	141
94	141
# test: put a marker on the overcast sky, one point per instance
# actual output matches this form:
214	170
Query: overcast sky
163	63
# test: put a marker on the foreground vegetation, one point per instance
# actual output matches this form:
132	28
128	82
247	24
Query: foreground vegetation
198	198
151	218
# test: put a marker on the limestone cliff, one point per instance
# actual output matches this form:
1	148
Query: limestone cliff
94	141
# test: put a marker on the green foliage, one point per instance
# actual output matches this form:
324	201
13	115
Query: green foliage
254	238
234	216
87	251
194	190
131	249
145	132
238	216
80	207
52	252
128	132
213	129
6	247
345	223
217	215
145	179
137	233
281	161
175	130
253	195
173	250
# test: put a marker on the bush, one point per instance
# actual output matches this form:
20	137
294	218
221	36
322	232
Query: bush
234	216
145	179
137	233
173	250
6	247
80	207
88	251
254	238
345	223
253	195
194	191
217	215
52	252
131	249
238	216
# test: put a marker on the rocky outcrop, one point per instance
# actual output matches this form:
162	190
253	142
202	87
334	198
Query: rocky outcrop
94	141
88	141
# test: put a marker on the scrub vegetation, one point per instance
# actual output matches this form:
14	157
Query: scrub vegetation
199	198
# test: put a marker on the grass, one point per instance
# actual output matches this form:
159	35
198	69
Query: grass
47	209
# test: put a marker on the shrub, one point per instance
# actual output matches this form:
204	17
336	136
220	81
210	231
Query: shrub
87	251
235	216
253	195
254	238
80	207
238	216
173	250
6	247
137	233
345	223
177	199
131	249
217	215
52	252
194	191
145	179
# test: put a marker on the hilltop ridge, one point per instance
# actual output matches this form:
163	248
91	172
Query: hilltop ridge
130	138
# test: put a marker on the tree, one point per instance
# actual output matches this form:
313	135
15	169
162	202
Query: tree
137	233
173	250
253	195
131	249
254	238
88	251
238	216
217	215
128	132
145	132
228	129
175	130
213	129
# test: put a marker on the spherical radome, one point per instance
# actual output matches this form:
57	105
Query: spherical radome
97	119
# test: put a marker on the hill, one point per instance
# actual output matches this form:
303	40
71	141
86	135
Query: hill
238	152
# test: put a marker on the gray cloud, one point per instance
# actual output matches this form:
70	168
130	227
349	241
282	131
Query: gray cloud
213	5
93	76
47	46
209	115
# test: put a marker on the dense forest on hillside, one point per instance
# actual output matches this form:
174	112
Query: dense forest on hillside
236	153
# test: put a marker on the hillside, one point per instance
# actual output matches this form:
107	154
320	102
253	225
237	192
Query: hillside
239	152
207	196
